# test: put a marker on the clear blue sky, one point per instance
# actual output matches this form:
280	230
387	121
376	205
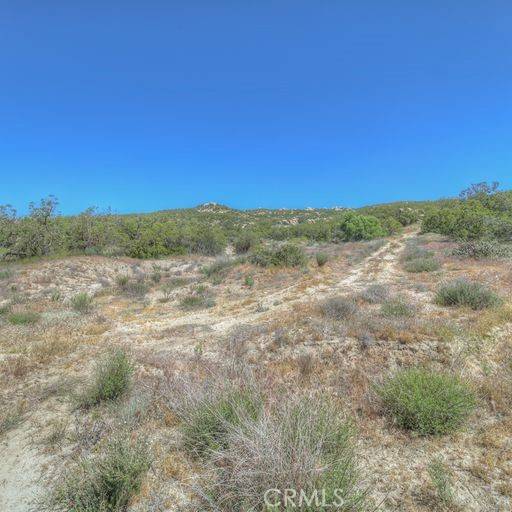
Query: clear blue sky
149	105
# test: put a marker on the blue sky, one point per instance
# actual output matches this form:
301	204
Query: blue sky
149	105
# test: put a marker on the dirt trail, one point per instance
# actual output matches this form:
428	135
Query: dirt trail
377	268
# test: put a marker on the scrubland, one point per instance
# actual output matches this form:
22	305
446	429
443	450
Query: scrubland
380	368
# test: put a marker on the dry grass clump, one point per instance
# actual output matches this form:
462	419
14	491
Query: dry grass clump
208	408
104	482
441	479
426	402
112	379
375	294
300	444
219	267
339	308
463	292
11	417
137	288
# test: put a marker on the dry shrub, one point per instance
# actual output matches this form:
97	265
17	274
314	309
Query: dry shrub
300	444
375	294
207	406
339	308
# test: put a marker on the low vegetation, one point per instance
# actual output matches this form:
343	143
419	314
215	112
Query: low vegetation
463	292
426	402
481	249
102	482
397	307
321	258
82	303
417	265
339	308
302	444
23	317
287	255
112	379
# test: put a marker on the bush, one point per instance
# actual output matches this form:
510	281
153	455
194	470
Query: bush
105	482
137	288
355	227
422	265
462	292
397	307
375	294
249	281
482	249
82	303
245	242
427	402
321	258
288	255
304	445
112	379
338	308
23	317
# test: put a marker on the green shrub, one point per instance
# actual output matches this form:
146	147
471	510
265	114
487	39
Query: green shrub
245	242
104	482
422	265
427	402
287	255
262	256
249	281
82	303
321	258
397	307
112	379
23	317
462	292
482	249
355	227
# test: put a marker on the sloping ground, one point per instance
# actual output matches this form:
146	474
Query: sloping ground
273	324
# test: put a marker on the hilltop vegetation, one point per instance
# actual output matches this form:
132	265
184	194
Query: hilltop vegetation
481	212
205	230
